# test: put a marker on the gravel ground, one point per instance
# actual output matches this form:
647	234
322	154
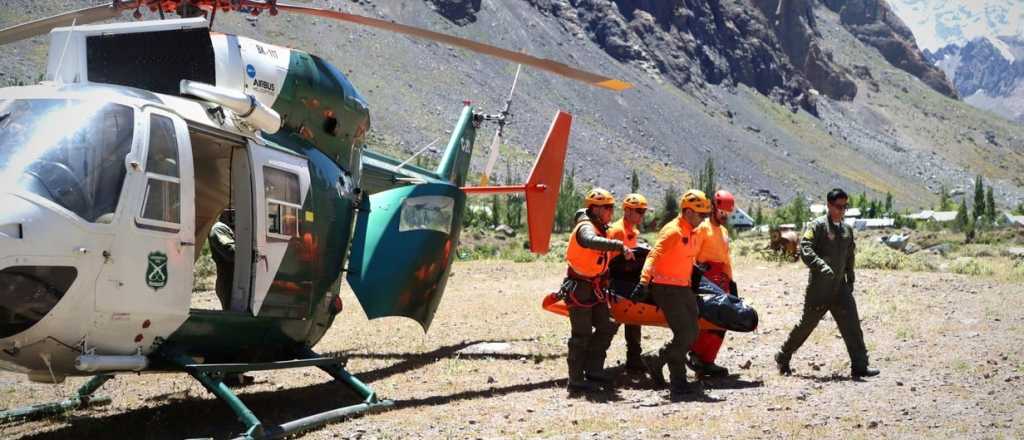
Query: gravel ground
493	365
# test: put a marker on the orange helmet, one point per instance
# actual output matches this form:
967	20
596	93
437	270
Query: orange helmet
599	197
634	201
695	200
724	201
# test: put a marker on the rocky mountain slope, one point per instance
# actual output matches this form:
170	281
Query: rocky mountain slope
786	96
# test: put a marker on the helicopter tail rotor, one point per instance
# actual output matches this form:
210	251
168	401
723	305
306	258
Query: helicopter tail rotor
502	119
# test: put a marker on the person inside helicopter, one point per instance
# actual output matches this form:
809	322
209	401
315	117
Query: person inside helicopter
222	249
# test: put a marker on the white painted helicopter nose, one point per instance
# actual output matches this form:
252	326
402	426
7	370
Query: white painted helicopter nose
47	283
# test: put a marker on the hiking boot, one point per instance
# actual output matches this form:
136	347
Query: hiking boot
858	373
601	377
782	361
584	386
715	370
695	364
705	369
680	391
654	364
634	364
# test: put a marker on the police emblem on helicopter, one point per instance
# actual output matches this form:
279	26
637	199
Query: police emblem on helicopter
156	270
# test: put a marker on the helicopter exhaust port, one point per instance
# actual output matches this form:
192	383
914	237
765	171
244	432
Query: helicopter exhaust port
247	107
93	363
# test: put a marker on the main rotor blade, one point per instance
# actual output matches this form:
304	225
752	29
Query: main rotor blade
44	25
497	52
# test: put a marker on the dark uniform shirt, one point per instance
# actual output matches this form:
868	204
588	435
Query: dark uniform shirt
825	244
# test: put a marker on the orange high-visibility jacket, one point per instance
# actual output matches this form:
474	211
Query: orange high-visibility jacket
671	260
585	261
714	245
618	231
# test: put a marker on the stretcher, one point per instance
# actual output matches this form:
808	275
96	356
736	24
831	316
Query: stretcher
625	311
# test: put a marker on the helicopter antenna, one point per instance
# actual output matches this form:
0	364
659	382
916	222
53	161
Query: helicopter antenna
502	119
421	150
60	61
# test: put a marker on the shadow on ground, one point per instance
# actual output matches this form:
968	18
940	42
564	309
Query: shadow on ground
175	416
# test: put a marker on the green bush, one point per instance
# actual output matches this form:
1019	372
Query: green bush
971	266
876	256
1017	272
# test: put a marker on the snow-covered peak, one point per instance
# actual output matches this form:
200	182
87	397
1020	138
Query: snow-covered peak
938	23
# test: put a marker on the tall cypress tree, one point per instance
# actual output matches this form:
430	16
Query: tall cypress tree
990	206
962	219
568	202
634	182
945	204
670	205
979	198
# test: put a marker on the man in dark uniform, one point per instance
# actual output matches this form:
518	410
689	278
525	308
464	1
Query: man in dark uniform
222	248
827	248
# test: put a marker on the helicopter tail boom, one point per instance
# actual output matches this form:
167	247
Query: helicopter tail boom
542	186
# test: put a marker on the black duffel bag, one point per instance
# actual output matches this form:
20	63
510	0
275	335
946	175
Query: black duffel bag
728	312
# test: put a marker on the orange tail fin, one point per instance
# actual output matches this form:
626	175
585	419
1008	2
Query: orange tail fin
545	182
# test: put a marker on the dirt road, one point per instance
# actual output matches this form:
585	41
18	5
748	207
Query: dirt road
951	351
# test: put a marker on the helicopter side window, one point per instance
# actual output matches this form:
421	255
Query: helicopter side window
163	194
282	192
432	213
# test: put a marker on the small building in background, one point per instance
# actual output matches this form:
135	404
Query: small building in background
861	224
1008	219
740	220
943	216
933	216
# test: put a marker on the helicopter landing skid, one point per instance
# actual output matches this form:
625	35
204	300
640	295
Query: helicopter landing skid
83	398
211	375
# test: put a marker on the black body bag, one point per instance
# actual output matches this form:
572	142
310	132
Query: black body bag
728	312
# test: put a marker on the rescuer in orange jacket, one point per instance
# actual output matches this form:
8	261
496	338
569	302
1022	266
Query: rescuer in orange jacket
592	327
666	278
714	256
634	206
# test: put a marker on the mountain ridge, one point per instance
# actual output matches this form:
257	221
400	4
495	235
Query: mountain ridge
771	131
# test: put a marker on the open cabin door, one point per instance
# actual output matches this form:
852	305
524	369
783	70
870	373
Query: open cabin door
403	248
281	184
145	286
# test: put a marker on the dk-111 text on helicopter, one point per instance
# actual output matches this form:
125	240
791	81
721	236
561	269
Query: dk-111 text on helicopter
115	167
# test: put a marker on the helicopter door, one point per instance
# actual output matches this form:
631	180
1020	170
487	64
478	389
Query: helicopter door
284	180
147	280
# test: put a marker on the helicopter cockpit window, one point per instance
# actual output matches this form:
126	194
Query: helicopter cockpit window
163	193
427	213
71	152
283	203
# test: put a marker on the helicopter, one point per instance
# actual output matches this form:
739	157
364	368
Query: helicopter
116	166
